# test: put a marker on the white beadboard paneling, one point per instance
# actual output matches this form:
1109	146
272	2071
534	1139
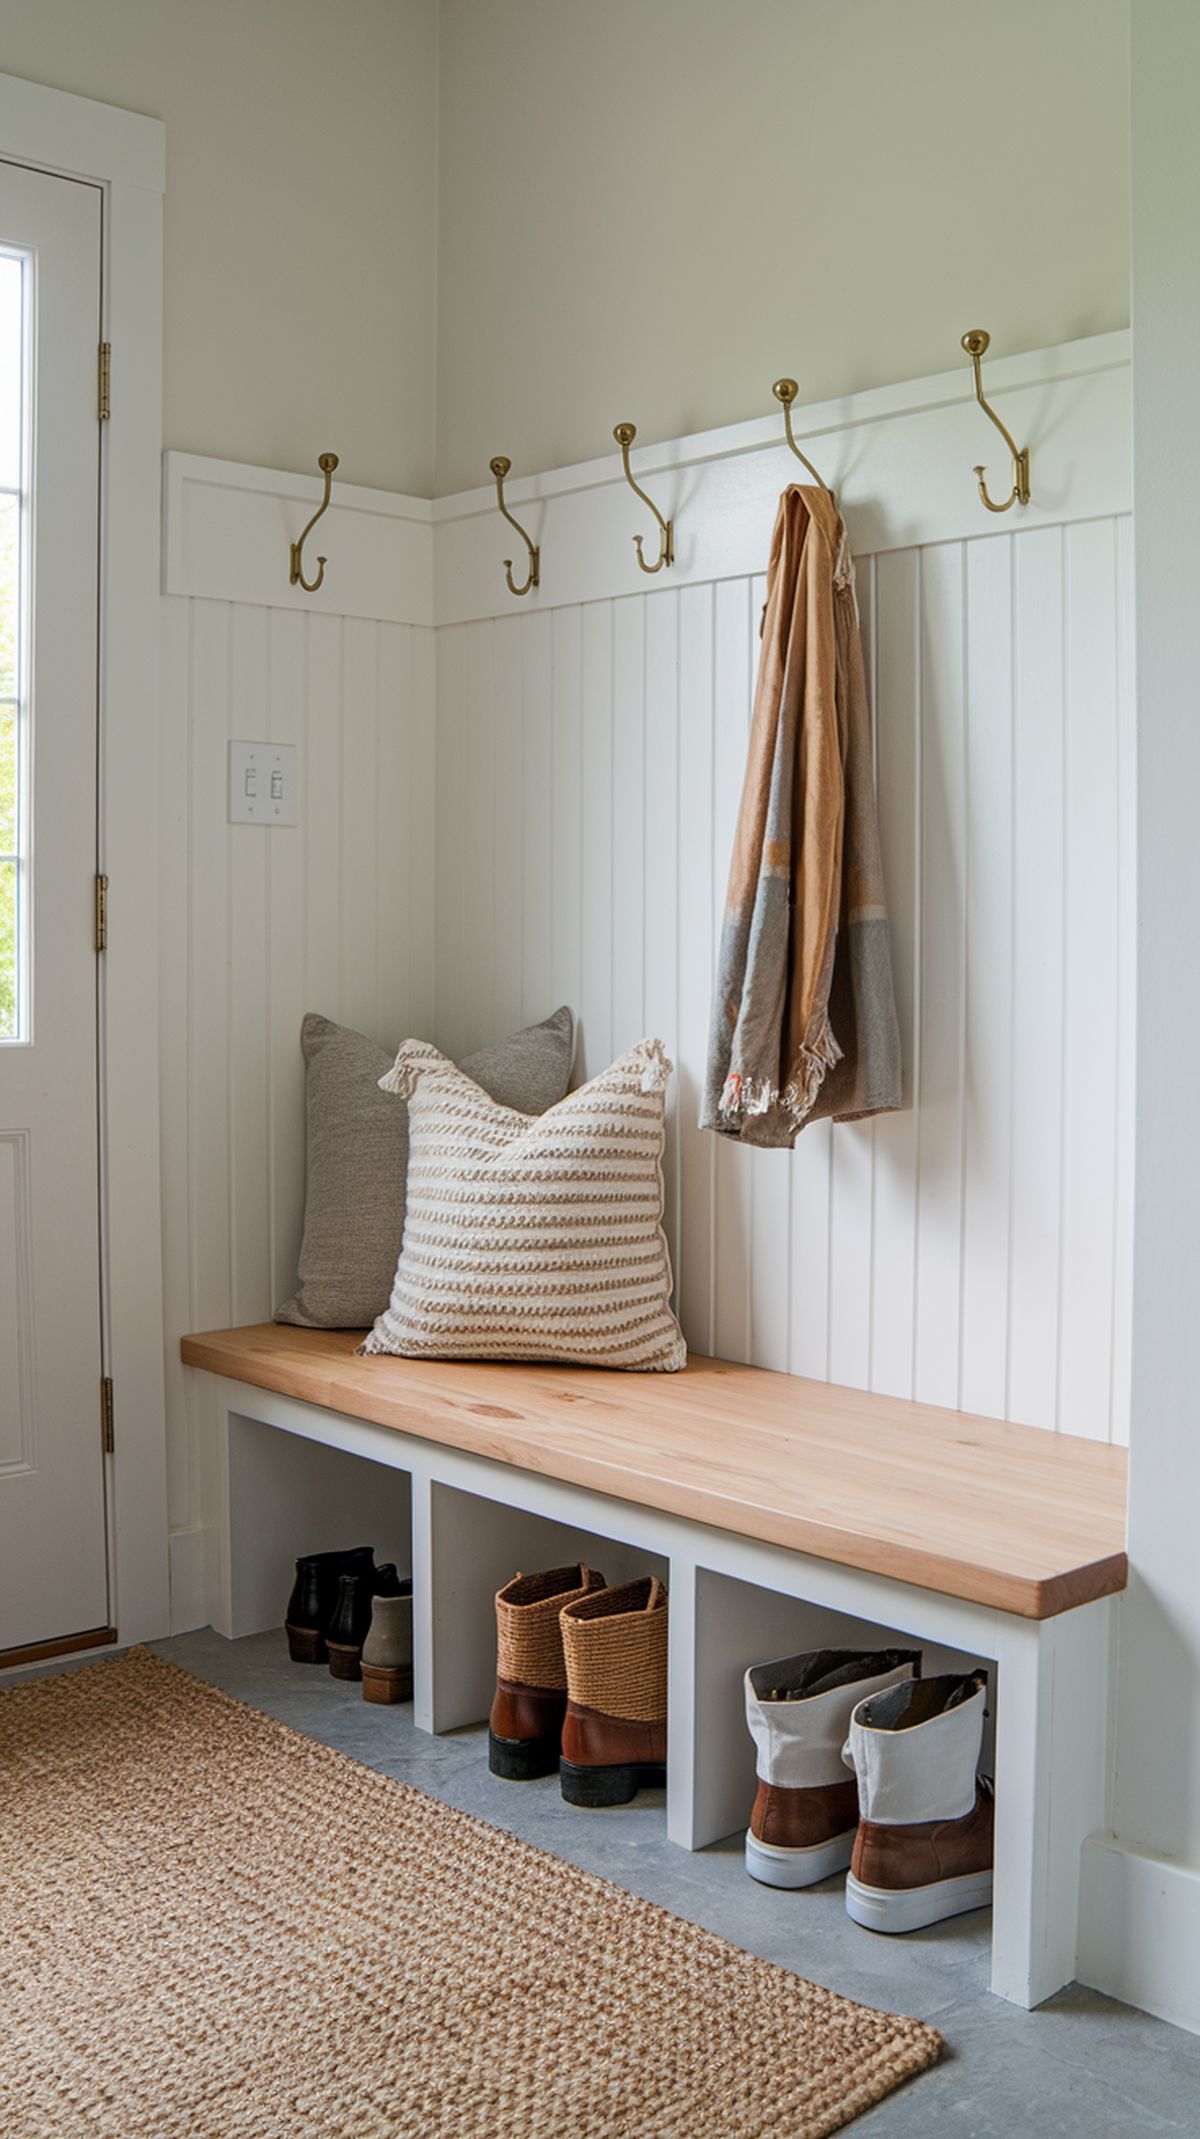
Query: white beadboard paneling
939	1179
971	1250
696	952
1039	772
1091	942
896	680
260	925
989	1009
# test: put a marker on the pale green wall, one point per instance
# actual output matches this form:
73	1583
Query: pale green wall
651	208
636	208
300	213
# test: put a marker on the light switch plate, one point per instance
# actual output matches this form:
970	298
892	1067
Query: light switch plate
262	783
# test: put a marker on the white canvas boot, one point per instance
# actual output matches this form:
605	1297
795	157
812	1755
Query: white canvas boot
924	1844
798	1711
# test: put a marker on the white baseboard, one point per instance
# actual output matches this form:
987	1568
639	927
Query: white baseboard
189	1579
1139	1930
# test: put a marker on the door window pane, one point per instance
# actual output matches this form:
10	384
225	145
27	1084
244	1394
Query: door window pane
8	779
11	353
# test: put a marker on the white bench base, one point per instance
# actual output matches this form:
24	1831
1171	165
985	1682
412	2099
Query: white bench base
465	1523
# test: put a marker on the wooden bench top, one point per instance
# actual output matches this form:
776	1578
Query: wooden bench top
1009	1516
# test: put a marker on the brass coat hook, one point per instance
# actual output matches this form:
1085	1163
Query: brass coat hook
500	467
785	392
976	344
625	433
326	462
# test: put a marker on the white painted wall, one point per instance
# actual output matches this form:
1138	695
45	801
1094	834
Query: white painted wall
650	209
300	214
1142	1923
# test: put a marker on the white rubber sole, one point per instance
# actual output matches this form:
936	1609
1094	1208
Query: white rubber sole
773	1866
910	1908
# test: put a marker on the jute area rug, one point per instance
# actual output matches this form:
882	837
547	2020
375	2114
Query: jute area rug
213	1928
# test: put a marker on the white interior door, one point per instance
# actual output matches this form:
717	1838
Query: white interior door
53	1553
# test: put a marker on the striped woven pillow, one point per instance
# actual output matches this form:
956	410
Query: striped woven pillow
533	1237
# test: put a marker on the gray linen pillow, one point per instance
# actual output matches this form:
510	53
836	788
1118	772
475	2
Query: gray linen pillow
358	1157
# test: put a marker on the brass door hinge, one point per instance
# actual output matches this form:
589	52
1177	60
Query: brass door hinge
101	913
106	1415
104	380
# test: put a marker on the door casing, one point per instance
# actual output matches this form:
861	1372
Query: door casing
124	154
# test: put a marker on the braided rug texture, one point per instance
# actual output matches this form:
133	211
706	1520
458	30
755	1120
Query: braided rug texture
213	1928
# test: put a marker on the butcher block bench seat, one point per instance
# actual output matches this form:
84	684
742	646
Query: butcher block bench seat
1027	1522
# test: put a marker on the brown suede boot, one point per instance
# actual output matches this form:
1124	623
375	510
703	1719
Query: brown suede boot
798	1711
525	1727
614	1736
924	1844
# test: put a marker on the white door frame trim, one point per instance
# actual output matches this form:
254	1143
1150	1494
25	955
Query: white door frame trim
125	154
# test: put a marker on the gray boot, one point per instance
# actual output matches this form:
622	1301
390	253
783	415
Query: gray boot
388	1649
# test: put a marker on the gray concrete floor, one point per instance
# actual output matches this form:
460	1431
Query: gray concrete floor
1080	2068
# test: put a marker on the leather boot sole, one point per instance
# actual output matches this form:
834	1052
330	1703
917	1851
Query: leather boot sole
772	1865
387	1682
306	1645
522	1759
344	1663
894	1909
614	1785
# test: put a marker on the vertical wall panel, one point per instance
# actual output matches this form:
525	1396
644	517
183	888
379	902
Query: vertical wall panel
732	686
660	980
939	1182
1091	939
566	887
629	825
852	1158
359	830
972	1249
286	978
537	802
475	855
249	968
596	842
451	933
415	811
1038	890
394	929
261	924
989	1011
897	680
697	958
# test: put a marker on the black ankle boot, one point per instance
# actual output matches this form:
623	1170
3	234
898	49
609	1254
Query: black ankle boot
350	1624
314	1598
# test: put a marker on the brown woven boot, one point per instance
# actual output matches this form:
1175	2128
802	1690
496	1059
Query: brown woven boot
525	1727
614	1736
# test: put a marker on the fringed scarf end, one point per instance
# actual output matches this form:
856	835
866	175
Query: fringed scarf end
656	1065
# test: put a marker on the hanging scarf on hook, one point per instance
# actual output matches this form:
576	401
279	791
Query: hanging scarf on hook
804	1021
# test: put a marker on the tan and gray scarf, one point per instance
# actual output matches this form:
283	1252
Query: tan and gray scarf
804	1022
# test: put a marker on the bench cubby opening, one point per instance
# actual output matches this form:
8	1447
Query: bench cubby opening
474	1548
738	1624
290	1495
